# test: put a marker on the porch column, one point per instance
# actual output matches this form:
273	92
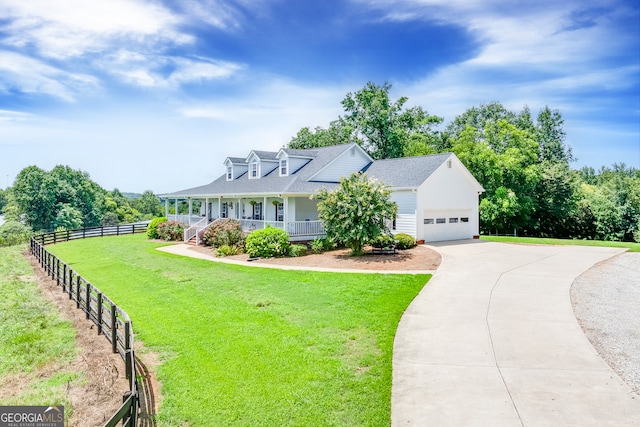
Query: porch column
206	208
166	207
220	207
176	209
264	208
285	214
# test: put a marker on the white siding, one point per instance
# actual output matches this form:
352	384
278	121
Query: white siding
342	166
448	192
295	164
406	219
406	200
267	166
406	224
306	209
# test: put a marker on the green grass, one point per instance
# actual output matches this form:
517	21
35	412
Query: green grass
633	247
246	346
35	343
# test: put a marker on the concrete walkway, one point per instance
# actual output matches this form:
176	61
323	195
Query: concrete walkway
492	341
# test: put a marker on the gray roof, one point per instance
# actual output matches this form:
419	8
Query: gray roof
238	160
295	183
300	153
265	155
406	172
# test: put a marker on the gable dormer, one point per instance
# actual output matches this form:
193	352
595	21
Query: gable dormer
289	160
261	163
235	167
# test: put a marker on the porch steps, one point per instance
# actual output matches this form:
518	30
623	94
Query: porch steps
192	241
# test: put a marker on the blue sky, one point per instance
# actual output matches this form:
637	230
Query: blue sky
156	94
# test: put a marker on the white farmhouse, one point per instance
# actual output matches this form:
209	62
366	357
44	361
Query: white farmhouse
437	196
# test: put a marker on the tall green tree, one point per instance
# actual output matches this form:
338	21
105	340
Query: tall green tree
551	135
148	205
338	132
503	159
356	211
385	127
35	194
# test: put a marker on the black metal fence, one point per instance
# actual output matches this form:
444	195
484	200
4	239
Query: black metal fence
112	322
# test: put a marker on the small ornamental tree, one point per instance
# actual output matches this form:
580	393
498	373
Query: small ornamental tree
355	212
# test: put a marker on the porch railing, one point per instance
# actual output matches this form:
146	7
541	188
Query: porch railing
305	228
185	219
191	232
293	228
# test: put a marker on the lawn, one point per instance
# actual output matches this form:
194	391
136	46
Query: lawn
633	247
35	342
245	346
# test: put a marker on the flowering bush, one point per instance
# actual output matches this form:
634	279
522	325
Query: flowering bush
152	228
227	231
170	230
268	242
355	212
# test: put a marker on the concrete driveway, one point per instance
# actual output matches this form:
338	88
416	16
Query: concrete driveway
492	341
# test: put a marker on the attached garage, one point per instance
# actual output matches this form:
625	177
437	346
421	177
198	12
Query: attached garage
440	225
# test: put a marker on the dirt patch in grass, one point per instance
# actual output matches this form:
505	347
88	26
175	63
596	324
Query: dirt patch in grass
419	258
99	396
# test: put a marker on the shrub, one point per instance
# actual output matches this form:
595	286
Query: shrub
356	211
297	250
268	242
170	230
317	246
14	233
224	232
152	228
383	241
227	250
404	241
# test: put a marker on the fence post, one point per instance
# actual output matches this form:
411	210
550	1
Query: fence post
117	230
114	332
70	284
127	348
64	277
88	310
99	312
77	291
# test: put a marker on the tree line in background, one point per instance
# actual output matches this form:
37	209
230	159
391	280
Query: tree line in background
64	198
522	163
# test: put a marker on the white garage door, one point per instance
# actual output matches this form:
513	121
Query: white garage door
447	225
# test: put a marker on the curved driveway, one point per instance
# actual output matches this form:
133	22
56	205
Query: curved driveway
492	341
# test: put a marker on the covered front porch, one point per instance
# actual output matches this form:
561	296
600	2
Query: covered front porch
297	215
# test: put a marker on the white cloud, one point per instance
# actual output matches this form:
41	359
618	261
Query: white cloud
14	116
68	28
33	76
128	39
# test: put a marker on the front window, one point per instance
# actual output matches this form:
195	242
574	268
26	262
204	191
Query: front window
284	170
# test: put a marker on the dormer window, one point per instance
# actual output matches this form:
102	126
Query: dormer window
253	169
229	173
352	152
284	167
